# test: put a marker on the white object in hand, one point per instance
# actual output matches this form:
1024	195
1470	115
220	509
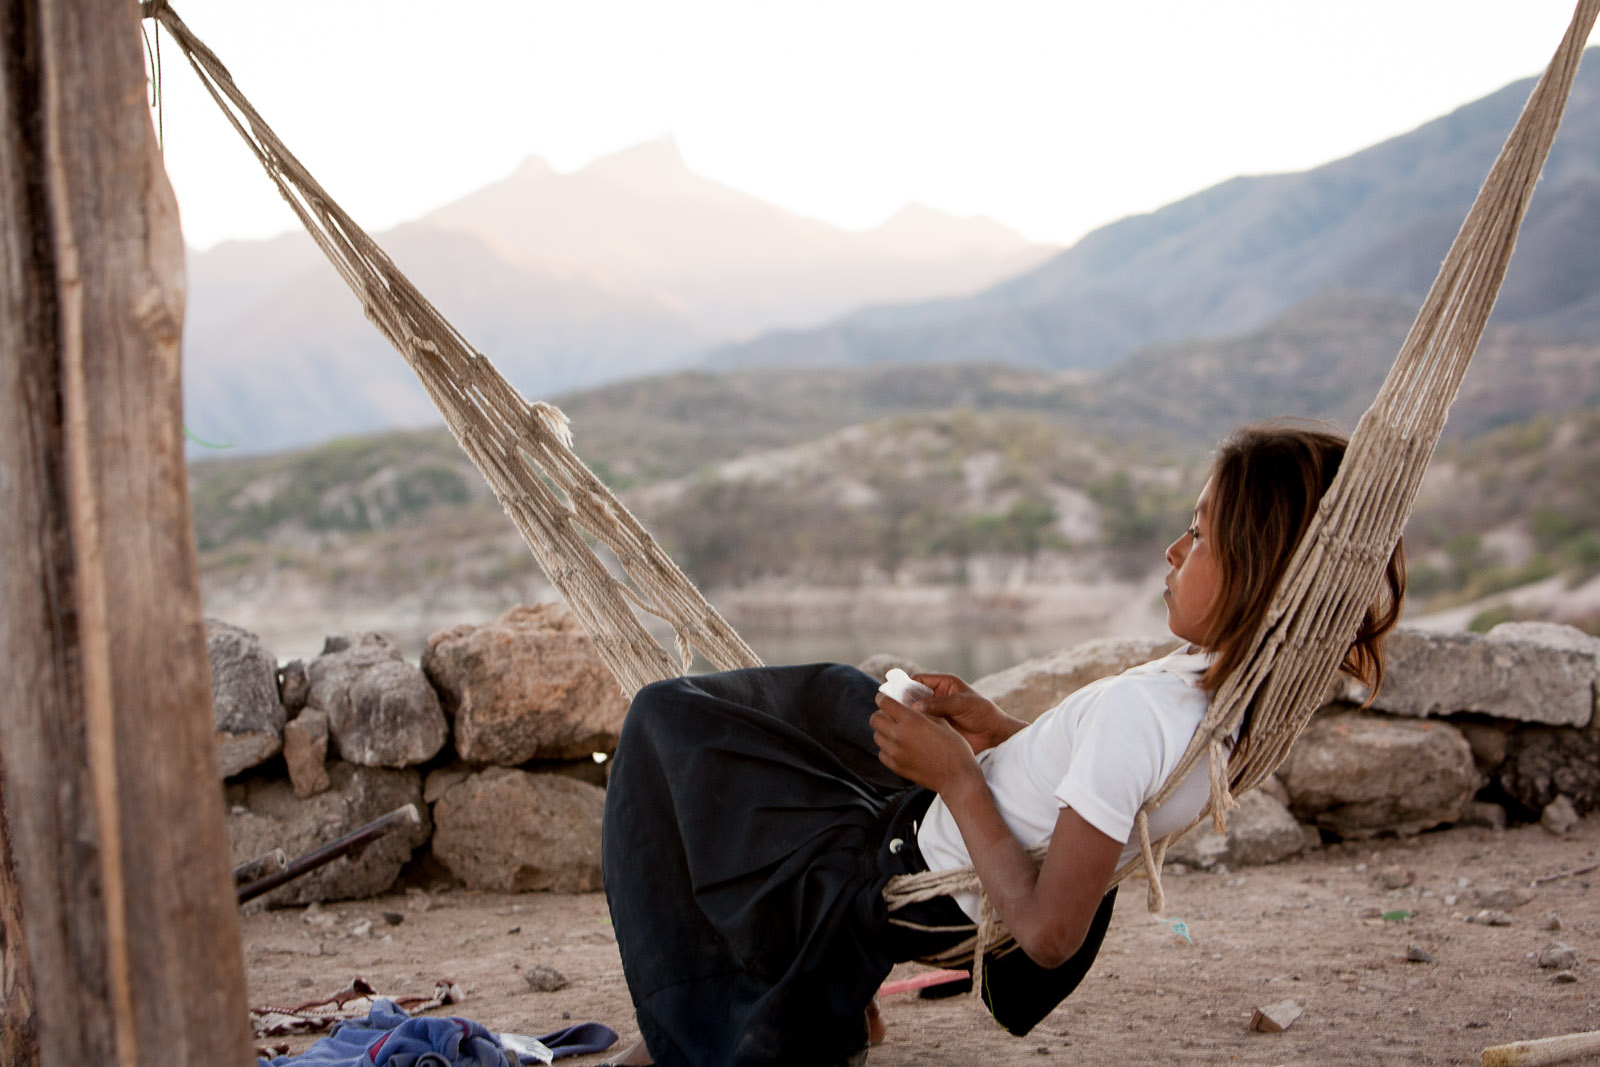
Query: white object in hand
901	687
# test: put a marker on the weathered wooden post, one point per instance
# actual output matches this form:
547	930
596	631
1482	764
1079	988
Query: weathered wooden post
19	1038
113	812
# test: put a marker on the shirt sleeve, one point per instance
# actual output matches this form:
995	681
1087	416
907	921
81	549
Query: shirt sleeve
1118	752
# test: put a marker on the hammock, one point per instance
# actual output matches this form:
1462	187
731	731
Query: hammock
1337	570
524	452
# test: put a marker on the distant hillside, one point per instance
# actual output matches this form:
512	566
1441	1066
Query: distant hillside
631	266
1323	359
784	479
277	351
734	264
1326	358
620	270
642	431
397	531
1514	506
1234	256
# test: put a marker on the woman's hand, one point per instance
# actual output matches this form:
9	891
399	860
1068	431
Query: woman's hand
919	747
976	718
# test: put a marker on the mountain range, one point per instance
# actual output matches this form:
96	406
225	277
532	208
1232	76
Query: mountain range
1236	255
624	268
772	486
635	265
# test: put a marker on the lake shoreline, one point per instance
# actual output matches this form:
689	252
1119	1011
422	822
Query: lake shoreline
971	628
962	628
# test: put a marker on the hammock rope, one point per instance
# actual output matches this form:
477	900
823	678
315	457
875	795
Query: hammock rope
1337	571
524	451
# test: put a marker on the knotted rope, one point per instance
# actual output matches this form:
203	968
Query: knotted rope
1337	571
523	450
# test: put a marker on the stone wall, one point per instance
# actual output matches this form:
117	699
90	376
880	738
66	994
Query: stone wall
1466	729
501	738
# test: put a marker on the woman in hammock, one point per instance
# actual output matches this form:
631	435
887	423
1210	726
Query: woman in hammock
753	817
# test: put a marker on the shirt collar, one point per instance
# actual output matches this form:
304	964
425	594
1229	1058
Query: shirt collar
1188	662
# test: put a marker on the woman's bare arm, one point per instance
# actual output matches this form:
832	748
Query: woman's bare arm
1047	907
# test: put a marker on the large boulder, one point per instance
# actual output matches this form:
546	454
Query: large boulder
1530	672
510	831
1030	689
1259	831
1359	774
1543	763
265	814
381	710
244	698
527	686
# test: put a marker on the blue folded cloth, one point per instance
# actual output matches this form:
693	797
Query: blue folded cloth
389	1037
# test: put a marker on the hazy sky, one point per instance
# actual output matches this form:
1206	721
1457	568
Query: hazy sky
1053	117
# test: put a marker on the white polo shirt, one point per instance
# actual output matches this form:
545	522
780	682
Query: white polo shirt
1103	751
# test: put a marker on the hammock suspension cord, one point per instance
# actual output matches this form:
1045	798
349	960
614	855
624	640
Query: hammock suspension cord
524	452
1337	570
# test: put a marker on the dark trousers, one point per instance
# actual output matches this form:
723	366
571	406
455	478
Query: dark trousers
745	847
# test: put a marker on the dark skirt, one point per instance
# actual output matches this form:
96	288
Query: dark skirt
749	831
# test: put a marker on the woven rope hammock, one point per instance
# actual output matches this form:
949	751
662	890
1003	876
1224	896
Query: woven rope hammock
524	451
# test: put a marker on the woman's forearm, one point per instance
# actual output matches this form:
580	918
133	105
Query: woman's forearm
1010	876
1046	906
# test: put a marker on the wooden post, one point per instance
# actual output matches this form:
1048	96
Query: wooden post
19	1036
111	785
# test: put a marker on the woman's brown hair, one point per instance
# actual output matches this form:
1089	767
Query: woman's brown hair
1266	483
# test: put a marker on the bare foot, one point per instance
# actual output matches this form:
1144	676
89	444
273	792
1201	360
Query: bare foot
877	1029
635	1055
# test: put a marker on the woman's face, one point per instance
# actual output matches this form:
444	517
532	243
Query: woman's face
1192	582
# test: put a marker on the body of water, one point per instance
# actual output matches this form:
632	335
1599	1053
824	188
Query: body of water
966	651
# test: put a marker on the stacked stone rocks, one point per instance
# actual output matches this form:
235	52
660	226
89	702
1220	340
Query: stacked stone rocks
1466	728
501	739
498	738
527	695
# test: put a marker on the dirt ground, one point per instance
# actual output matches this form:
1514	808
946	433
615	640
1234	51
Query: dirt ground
1313	930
